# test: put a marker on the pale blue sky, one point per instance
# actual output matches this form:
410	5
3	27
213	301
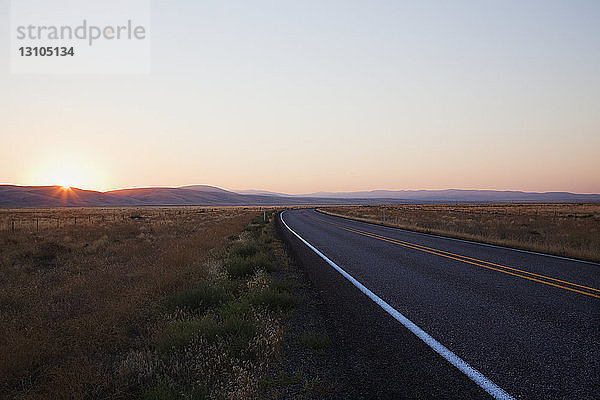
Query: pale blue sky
325	95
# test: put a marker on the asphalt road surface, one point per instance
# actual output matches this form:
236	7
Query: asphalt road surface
527	324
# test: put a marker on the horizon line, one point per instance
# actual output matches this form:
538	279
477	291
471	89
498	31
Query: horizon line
300	193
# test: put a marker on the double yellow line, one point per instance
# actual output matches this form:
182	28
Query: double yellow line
546	280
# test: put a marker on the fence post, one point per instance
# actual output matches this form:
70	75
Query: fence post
37	224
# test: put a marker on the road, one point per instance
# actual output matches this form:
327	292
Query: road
527	323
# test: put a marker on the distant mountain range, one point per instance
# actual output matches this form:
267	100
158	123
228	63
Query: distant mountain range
202	195
454	195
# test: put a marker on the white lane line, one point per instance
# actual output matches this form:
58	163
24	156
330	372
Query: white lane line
494	390
463	240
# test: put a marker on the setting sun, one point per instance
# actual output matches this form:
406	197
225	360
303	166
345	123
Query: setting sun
68	179
72	170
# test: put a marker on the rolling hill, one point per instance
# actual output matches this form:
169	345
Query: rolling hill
460	195
203	195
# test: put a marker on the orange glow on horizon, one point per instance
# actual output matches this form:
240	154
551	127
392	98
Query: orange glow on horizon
73	169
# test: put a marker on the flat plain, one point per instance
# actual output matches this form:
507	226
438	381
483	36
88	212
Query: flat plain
135	302
187	302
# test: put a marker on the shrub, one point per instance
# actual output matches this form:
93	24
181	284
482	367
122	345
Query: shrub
259	220
274	299
255	229
179	333
233	324
236	326
244	249
200	298
239	267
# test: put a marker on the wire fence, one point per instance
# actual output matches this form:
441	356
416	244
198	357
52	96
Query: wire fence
33	220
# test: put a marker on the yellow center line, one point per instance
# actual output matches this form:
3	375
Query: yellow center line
481	261
468	260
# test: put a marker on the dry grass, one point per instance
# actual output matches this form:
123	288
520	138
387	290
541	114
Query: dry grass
571	230
82	301
216	346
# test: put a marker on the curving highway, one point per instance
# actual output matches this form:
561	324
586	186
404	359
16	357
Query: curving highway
500	323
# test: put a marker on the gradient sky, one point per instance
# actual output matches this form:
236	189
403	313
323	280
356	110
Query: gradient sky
325	95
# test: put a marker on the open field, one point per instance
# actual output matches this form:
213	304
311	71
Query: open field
129	303
571	230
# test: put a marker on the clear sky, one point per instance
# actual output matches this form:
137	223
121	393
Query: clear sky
307	96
